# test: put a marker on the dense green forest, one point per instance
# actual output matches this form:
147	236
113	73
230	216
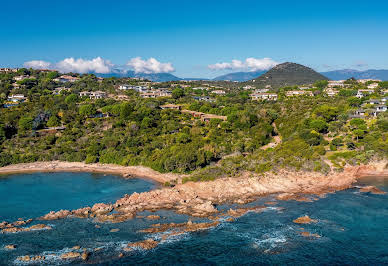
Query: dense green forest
316	132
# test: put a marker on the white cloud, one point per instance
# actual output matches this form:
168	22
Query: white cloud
252	64
149	66
97	65
37	64
80	65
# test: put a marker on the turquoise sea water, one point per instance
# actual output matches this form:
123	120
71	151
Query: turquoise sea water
353	227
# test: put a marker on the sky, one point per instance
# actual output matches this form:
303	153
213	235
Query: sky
193	38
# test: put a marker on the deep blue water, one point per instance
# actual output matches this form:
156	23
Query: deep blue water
353	226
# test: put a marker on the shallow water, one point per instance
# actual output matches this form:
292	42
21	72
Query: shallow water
353	228
33	195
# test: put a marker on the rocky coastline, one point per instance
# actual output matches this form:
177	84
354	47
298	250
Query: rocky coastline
199	199
196	199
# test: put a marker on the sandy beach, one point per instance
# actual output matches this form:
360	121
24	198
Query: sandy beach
60	166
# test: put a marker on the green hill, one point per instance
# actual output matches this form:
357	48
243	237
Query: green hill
288	74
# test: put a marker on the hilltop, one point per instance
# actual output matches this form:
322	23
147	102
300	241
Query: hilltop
288	74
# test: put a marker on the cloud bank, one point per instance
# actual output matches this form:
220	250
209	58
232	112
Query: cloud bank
149	66
97	65
251	64
101	66
37	64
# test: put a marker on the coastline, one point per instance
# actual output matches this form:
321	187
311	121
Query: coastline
61	166
200	199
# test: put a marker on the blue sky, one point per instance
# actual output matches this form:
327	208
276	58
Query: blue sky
191	35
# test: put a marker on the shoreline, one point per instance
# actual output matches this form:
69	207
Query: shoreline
200	199
76	167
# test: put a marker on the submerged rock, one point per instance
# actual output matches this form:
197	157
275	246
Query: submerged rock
145	244
304	220
153	217
28	258
26	229
308	234
71	255
373	190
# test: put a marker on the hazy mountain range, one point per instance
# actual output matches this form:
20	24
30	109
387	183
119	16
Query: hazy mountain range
246	76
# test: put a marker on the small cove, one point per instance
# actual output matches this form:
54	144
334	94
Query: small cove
33	195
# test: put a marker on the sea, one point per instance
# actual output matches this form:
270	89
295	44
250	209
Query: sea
351	227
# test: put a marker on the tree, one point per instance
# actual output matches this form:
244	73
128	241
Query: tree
87	110
329	113
319	125
178	93
321	84
359	133
25	123
125	111
72	98
354	101
53	121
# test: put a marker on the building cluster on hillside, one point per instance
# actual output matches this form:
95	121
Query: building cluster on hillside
204	117
6	70
146	91
23	77
93	94
66	78
299	93
365	92
204	99
14	99
331	92
371	108
270	96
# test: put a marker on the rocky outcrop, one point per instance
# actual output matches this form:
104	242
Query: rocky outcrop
101	208
26	229
56	215
201	198
153	217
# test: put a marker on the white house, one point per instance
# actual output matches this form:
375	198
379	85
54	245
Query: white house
363	93
218	92
373	86
264	96
298	93
66	78
16	98
331	92
336	83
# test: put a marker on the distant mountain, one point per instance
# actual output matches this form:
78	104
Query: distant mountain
288	74
351	73
240	76
157	77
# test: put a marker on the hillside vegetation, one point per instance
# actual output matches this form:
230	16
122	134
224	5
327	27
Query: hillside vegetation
316	132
